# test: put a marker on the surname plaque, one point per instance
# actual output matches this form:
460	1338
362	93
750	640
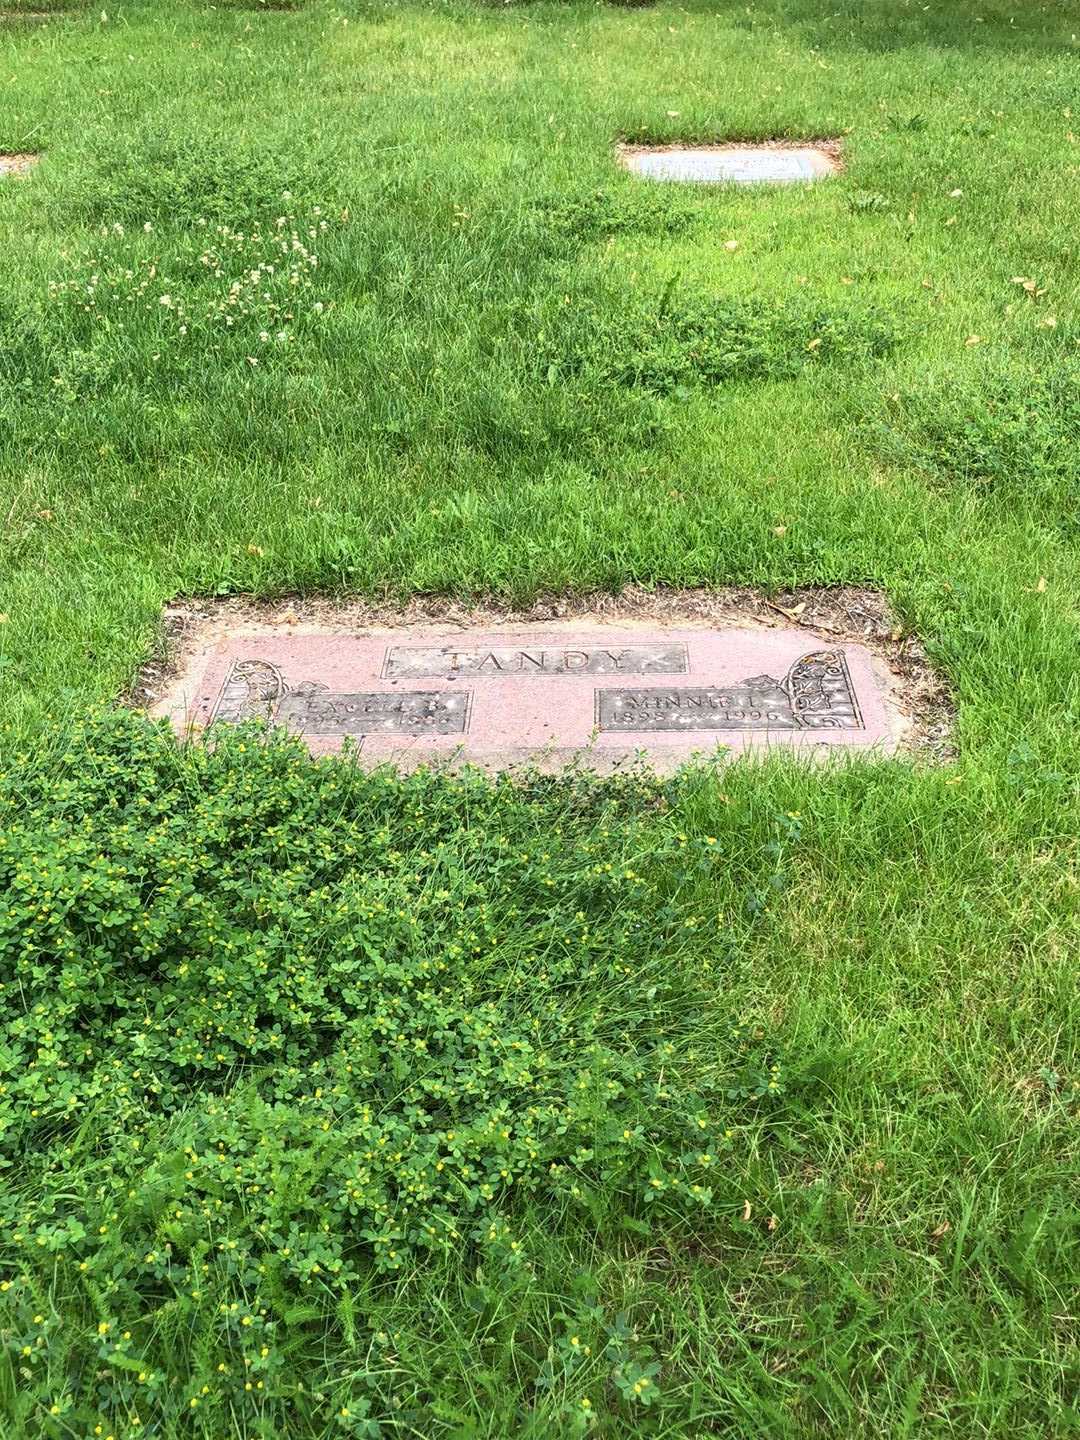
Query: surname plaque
450	662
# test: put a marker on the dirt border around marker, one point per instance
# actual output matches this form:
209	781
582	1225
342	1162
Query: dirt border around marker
192	626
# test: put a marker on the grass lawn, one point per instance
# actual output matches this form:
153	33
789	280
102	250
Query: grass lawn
742	1104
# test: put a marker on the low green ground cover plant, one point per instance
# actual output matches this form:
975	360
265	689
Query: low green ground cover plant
343	1102
668	343
1011	433
283	1030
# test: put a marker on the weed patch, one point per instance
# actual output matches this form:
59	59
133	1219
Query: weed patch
139	313
1010	432
604	213
212	176
666	344
321	1025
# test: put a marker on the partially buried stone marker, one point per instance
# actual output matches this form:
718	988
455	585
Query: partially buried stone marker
17	164
732	164
544	693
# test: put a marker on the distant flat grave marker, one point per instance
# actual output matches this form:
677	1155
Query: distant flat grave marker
771	164
17	164
545	692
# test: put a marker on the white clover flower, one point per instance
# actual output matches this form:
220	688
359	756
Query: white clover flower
148	227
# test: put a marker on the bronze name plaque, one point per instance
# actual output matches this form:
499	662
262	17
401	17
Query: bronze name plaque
256	690
816	694
349	713
444	661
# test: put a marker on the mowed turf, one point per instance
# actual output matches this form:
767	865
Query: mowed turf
355	298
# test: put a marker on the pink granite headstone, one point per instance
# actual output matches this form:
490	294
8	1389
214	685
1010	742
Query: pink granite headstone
544	693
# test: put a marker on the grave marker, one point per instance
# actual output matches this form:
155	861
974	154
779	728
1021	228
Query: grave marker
731	164
544	692
17	164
